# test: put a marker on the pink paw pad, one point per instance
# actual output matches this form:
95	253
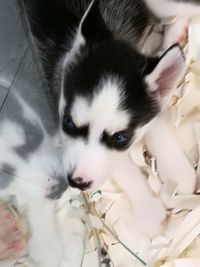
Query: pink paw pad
13	232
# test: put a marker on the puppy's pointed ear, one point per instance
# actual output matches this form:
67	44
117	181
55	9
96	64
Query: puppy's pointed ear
167	73
92	25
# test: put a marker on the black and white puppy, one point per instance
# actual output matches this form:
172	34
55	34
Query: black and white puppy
106	90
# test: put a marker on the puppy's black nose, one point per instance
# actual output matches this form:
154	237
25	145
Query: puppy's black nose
79	183
78	180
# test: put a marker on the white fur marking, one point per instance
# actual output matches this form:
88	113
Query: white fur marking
103	112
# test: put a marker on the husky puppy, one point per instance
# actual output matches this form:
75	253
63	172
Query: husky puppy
30	170
105	89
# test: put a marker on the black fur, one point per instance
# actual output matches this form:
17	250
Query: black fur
53	24
116	58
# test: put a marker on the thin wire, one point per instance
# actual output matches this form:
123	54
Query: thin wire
96	235
117	238
18	69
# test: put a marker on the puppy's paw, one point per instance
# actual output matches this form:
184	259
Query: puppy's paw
181	173
13	232
152	217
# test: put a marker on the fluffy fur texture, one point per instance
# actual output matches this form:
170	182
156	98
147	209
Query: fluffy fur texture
31	170
107	91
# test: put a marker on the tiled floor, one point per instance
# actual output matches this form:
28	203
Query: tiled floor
13	43
18	69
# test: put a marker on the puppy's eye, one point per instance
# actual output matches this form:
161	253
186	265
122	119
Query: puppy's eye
71	129
120	138
68	123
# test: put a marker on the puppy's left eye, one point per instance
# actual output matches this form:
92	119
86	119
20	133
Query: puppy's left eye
120	138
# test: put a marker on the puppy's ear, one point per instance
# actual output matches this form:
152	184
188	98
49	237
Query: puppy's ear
168	71
92	25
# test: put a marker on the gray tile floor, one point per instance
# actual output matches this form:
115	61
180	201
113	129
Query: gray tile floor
13	42
18	69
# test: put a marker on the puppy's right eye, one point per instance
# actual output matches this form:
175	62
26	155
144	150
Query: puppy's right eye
71	129
68	123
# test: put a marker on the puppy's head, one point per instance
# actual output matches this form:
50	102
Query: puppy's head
109	92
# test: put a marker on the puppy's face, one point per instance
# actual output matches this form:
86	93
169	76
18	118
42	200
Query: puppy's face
109	92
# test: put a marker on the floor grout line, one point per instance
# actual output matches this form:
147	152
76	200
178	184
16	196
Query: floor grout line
15	76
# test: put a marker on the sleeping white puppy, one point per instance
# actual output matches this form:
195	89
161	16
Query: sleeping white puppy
30	171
